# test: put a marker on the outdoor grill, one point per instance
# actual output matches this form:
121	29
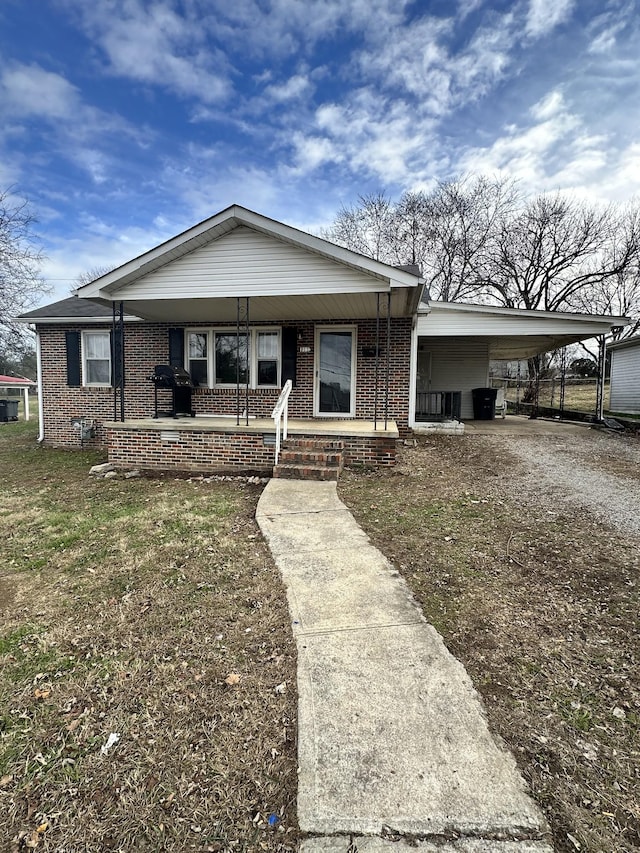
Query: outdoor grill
176	380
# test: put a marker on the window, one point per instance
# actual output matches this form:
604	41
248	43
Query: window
231	360
96	358
267	358
197	359
219	357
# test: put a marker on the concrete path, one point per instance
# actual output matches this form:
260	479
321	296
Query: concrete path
393	742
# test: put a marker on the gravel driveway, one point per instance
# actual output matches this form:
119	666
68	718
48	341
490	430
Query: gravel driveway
594	470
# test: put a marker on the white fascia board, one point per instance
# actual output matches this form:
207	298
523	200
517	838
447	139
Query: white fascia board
628	344
235	216
469	307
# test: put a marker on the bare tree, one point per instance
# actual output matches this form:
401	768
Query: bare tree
21	284
365	227
618	294
542	256
462	217
88	276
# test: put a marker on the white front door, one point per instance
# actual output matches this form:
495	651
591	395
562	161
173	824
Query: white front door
335	371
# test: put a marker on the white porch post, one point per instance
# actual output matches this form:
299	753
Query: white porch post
26	404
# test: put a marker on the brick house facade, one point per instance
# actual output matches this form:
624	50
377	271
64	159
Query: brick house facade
338	325
147	344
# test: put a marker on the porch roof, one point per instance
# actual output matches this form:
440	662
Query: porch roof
198	276
512	333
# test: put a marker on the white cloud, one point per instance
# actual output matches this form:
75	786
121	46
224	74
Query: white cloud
289	90
27	90
155	45
549	106
545	15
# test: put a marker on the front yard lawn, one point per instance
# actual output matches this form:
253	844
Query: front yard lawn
541	604
147	669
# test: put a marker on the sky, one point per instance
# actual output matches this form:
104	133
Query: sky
125	122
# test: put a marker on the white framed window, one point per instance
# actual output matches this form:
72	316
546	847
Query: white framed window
215	360
96	359
197	342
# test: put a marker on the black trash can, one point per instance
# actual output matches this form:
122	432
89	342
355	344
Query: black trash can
8	410
484	403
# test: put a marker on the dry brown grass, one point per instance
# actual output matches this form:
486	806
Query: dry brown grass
125	605
541	603
580	395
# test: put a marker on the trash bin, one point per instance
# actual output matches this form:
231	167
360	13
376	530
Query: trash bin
8	410
484	403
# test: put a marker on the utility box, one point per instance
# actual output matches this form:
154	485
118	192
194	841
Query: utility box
484	403
8	410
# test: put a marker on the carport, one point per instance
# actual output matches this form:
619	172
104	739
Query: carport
455	342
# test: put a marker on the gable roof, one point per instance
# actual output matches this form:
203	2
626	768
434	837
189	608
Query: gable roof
198	275
226	221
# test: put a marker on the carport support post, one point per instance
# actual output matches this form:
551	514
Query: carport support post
602	353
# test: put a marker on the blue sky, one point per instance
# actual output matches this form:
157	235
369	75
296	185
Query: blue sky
126	121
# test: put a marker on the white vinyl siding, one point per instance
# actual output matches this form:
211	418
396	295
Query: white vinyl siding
248	263
458	365
625	380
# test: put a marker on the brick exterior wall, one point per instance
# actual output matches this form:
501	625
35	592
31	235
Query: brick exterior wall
209	450
147	344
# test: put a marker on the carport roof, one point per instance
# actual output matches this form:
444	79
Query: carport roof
512	333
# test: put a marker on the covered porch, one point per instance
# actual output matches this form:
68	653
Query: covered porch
242	306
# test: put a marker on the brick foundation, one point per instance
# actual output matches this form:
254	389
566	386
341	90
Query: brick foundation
209	450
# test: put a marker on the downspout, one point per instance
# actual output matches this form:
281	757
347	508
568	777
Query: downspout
40	438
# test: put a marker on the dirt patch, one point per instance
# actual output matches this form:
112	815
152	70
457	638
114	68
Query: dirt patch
539	599
147	670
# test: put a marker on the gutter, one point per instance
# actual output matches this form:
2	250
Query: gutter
40	438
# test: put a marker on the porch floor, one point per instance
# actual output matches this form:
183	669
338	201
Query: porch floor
296	426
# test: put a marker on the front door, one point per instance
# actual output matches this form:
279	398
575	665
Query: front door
335	371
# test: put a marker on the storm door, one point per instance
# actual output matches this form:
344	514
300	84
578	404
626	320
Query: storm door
335	371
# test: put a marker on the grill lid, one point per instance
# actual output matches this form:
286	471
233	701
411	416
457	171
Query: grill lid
168	376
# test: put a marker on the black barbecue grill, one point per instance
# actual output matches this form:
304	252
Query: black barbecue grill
175	379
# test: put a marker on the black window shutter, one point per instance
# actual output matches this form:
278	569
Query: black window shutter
74	374
117	375
289	354
176	347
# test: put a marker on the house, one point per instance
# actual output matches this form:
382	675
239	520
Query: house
625	376
255	310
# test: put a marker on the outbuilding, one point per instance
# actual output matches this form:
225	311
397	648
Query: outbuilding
625	376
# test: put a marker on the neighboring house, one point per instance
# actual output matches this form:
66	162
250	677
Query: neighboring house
245	303
625	376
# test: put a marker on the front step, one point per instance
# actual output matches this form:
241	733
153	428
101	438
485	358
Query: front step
309	459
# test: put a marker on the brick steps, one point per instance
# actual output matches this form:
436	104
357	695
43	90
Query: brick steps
309	459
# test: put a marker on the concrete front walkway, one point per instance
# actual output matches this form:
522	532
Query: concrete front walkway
392	737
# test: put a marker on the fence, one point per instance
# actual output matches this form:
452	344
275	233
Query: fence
578	395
